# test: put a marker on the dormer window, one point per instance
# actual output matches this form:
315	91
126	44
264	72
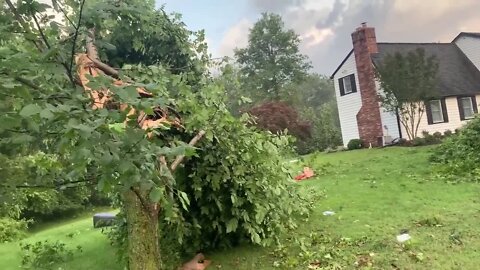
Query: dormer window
347	85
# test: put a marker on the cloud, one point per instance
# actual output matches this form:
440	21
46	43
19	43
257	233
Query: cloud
315	36
274	5
235	37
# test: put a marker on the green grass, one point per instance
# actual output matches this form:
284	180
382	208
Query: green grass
97	252
375	194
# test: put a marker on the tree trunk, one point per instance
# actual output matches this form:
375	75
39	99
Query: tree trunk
142	225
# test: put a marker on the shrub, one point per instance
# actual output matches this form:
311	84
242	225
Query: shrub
447	133
438	135
459	155
355	144
402	142
11	229
45	255
418	141
277	117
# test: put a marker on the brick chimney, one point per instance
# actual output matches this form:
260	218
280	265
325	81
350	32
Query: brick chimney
368	118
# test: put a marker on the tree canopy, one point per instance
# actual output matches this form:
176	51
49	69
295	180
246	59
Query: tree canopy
272	58
408	81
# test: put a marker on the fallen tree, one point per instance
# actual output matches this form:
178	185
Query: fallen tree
128	131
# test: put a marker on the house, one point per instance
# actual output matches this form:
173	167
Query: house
357	90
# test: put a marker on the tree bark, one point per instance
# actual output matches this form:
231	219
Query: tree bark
142	226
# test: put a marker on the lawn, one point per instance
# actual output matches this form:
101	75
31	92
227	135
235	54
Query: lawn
374	193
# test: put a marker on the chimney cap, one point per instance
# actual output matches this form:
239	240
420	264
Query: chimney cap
364	24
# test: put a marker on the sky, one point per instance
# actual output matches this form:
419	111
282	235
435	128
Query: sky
324	26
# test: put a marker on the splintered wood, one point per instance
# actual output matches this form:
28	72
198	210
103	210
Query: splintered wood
102	98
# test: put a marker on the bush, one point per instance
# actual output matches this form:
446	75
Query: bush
277	117
402	142
438	135
447	133
459	155
45	255
355	144
11	229
418	141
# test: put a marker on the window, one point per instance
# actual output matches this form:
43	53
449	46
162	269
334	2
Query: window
436	109
347	85
467	107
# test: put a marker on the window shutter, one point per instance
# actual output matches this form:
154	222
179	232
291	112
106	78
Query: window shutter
342	89
352	81
428	110
460	108
444	110
474	103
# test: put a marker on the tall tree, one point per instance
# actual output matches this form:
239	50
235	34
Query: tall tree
272	58
408	81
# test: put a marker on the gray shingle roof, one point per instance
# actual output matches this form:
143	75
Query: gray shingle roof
456	73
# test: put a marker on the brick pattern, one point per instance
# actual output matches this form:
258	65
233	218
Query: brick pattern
368	118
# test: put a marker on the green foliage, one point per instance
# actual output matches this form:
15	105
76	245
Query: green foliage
133	32
354	144
458	155
11	229
46	254
234	186
246	198
425	139
38	196
272	58
407	81
447	133
325	131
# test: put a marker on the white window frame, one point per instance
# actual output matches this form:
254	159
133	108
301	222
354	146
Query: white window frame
472	110
439	111
346	80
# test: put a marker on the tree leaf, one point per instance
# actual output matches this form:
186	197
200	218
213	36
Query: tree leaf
232	225
184	199
30	109
47	114
156	194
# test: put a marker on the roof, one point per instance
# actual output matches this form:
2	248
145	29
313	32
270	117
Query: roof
341	64
466	34
456	73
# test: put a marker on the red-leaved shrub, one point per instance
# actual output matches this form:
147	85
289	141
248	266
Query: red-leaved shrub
278	116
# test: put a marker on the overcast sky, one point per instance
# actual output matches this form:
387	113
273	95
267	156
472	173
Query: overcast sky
325	25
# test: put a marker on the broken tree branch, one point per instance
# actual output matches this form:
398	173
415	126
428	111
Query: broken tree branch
42	35
92	53
106	68
180	158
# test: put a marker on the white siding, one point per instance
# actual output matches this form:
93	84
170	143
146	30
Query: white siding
454	121
350	104
389	120
471	48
